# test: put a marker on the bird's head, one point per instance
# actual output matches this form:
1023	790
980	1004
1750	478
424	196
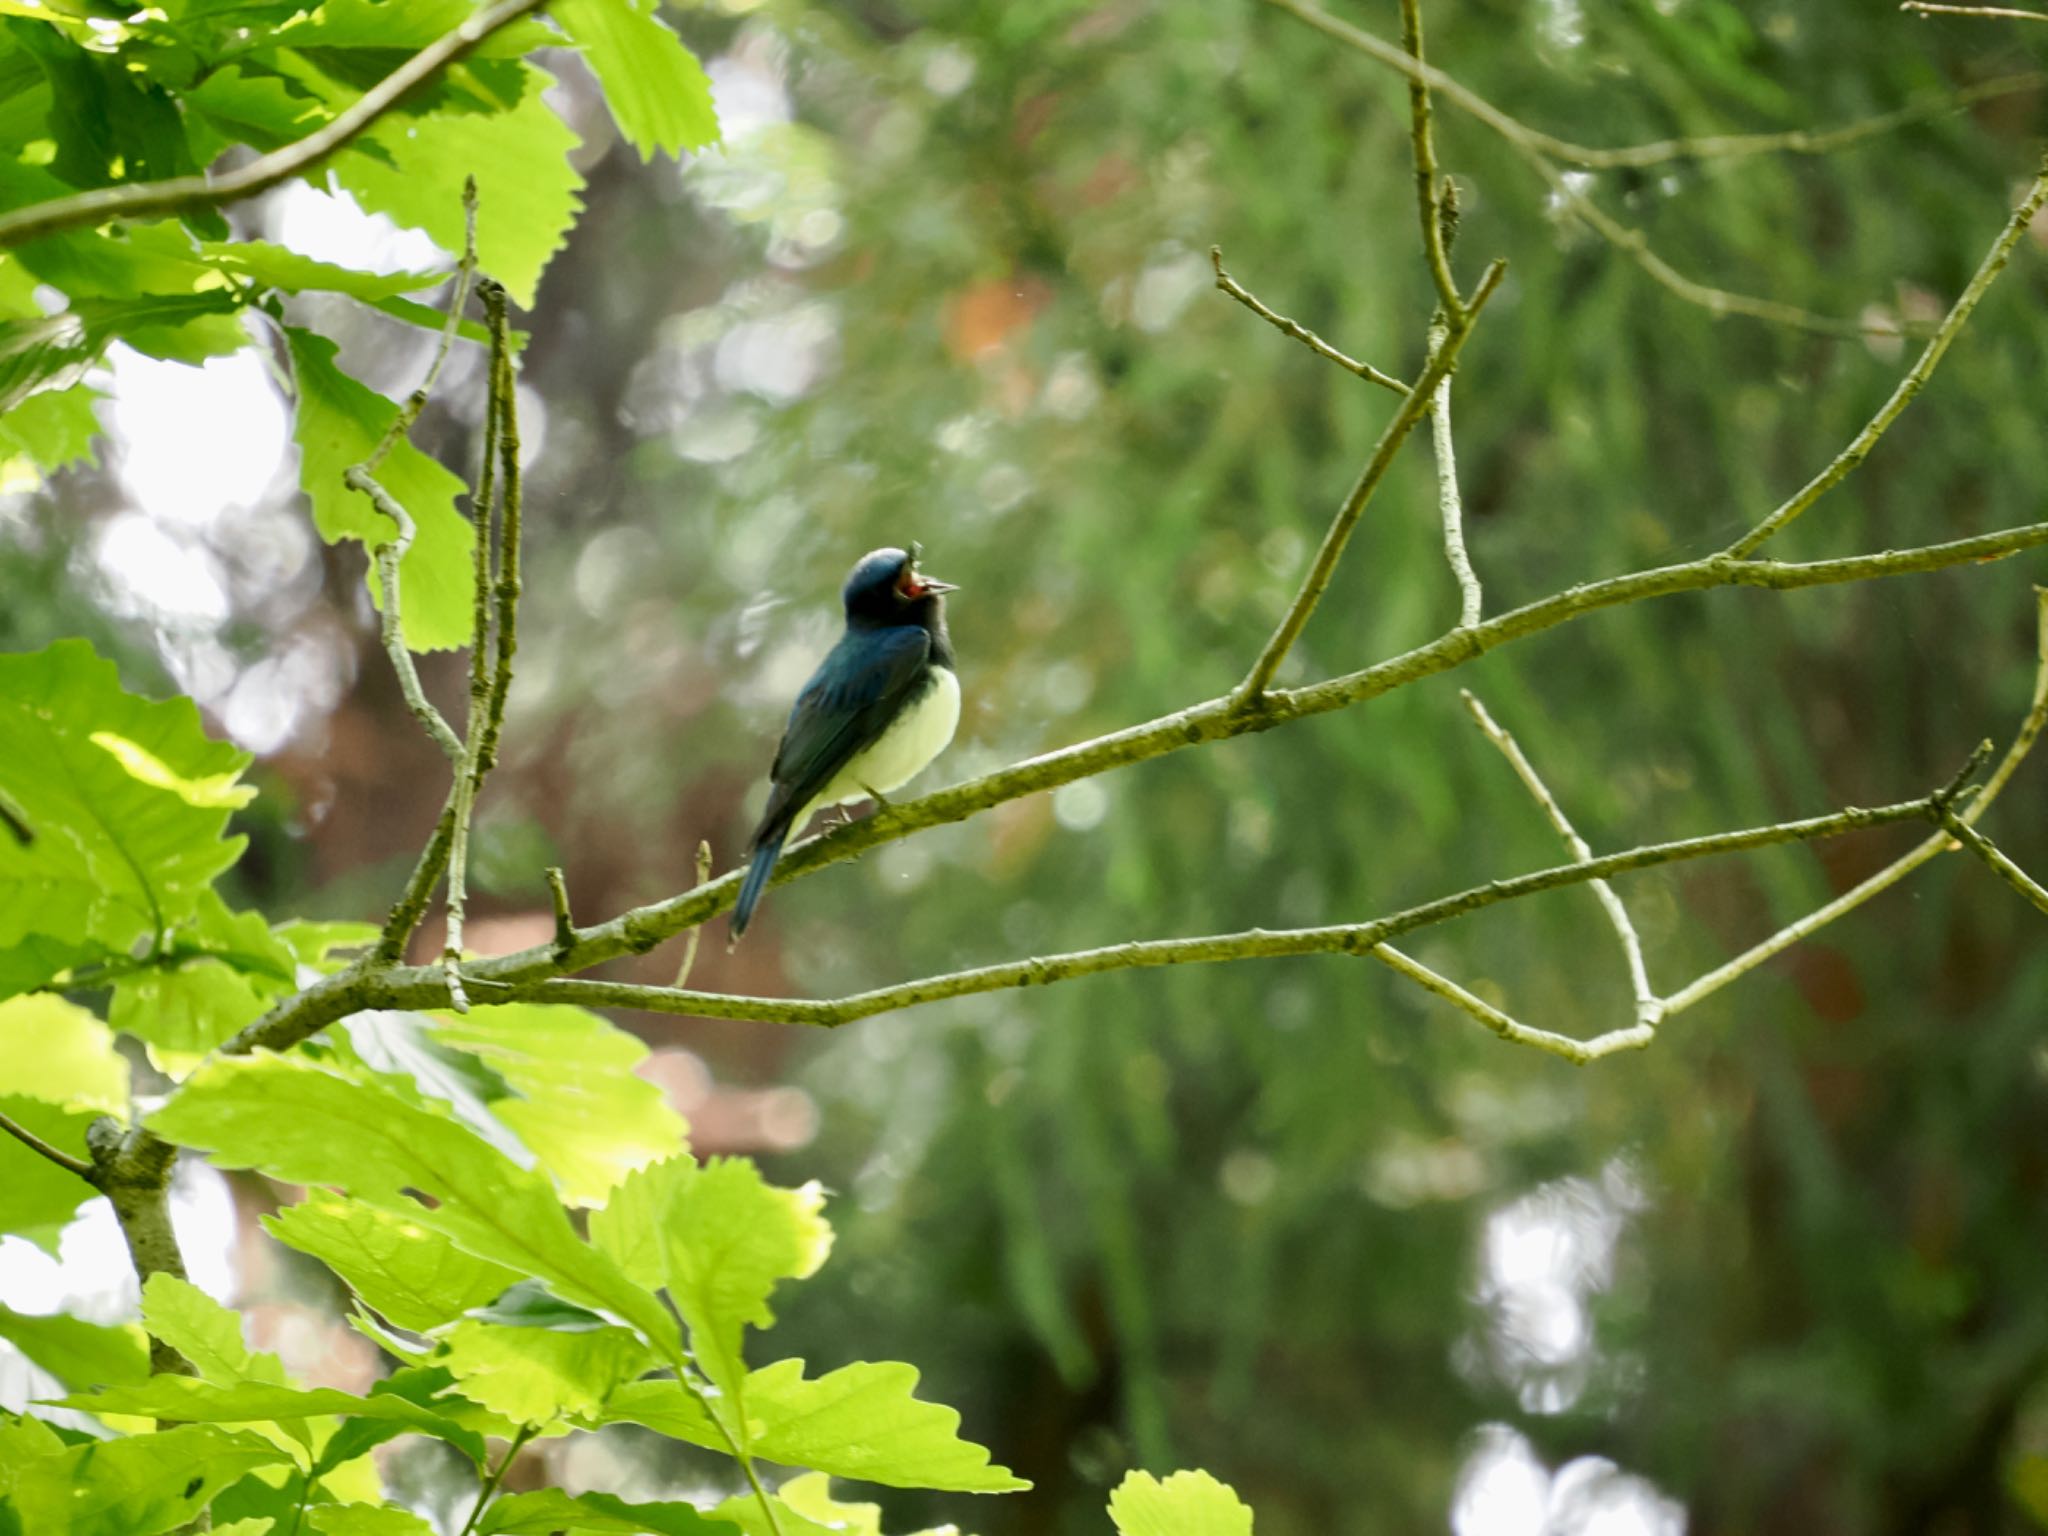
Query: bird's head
886	587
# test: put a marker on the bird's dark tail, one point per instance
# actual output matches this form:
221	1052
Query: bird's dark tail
767	849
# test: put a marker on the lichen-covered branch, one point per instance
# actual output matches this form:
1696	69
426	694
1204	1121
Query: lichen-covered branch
1297	330
1252	691
1647	1006
1840	467
2022	743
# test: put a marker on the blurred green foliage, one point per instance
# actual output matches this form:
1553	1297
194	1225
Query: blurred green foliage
946	281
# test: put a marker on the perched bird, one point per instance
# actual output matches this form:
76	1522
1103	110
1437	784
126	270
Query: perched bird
883	703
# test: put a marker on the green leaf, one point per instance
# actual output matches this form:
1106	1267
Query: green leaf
220	970
366	1520
730	1237
550	1510
539	1375
52	429
186	1400
61	1054
339	424
255	1525
304	1123
314	944
137	1486
667	1407
79	1354
656	89
36	1196
114	857
577	1101
180	1013
811	1497
279	267
745	1511
1186	1504
527	189
416	1277
45	355
253	109
864	1421
628	1225
205	1333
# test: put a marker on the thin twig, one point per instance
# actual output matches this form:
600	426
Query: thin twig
507	583
1252	690
43	1149
425	986
690	942
1916	378
496	1476
1297	330
2001	12
1993	855
2030	728
565	924
1800	141
465	273
1578	1052
1647	1008
1450	507
1424	154
389	554
1541	150
147	199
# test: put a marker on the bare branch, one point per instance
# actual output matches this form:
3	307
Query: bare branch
1840	467
565	925
1298	331
1218	719
2030	728
388	556
2001	12
1991	854
43	1149
697	933
149	199
426	986
1647	1007
1541	150
1424	150
1253	688
1578	1052
1450	508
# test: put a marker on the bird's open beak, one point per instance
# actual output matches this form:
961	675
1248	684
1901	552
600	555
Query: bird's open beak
927	584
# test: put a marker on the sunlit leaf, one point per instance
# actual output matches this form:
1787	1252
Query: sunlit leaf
365	1520
575	1100
79	1354
1185	1504
52	429
205	1333
339	424
114	857
527	189
137	1486
864	1421
549	1511
307	1124
37	1197
656	89
279	267
186	1400
412	1274
538	1375
62	1054
730	1237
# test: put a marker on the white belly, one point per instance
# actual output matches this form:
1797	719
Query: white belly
917	735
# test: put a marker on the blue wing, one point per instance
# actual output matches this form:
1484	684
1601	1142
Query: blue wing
844	709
